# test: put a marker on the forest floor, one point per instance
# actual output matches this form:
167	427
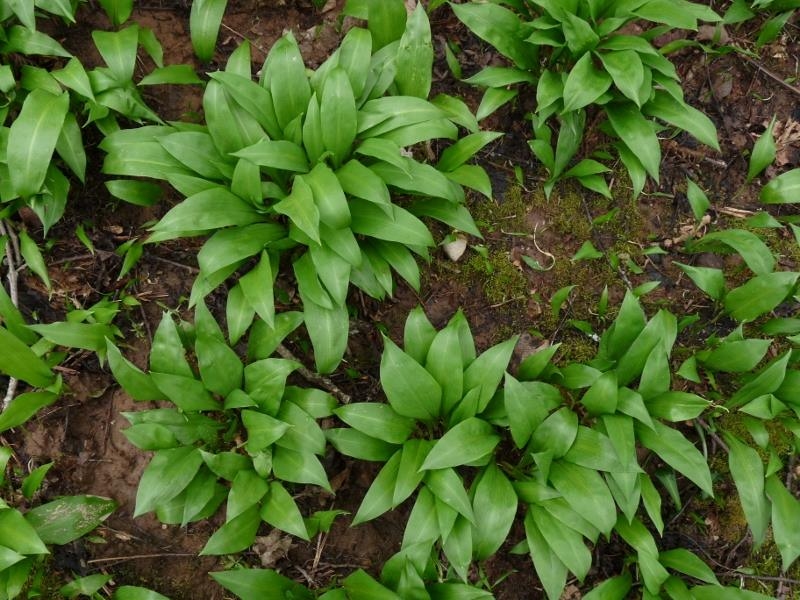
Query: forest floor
498	291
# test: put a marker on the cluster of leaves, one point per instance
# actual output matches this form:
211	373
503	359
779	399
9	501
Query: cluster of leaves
44	107
569	444
312	161
578	56
778	11
24	537
225	404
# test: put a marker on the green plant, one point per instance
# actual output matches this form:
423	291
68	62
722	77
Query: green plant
742	10
44	107
25	535
232	421
252	584
578	56
439	418
91	586
310	165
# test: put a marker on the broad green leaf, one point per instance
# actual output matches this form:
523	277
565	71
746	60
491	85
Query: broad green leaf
445	364
132	592
785	520
697	199
418	178
666	107
264	340
232	127
377	420
615	588
70	146
487	370
763	152
683	561
586	492
66	519
414	60
187	393
711	592
118	11
304	434
328	329
464	149
171	74
627	71
637	134
28	41
32	138
280	510
457	546
252	97
212	209
196	151
584	84
167	354
86	585
257	289
760	295
593	450
276	154
448	487
493	99
338	115
784	189
556	433
299	206
737	356
220	367
236	535
710	280
352	442
409	472
137	384
204	23
410	389
23	407
355	53
361	182
752	249
766	382
18	534
118	49
676	406
378	498
360	586
19	361
566	543
527	405
495	502
678	452
551	571
262	430
299	467
257	584
501	28
141	193
285	76
167	475
660	331
89	336
601	397
418	335
468	441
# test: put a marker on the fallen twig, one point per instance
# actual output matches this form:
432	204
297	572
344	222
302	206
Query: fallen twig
315	378
12	249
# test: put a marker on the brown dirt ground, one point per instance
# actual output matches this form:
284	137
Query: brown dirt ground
82	435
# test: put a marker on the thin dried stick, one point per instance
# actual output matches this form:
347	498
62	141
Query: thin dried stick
13	292
140	556
315	378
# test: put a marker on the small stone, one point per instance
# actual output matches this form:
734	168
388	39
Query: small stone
455	249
